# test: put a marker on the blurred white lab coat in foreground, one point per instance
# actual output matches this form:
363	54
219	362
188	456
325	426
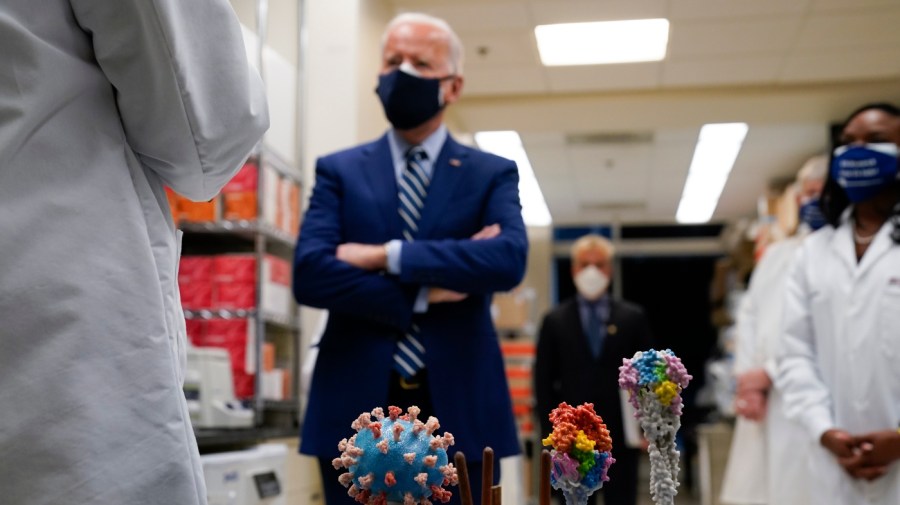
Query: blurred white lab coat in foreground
767	462
838	366
101	104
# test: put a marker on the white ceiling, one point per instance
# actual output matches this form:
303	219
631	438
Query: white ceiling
789	68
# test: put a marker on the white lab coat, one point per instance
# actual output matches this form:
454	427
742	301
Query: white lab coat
838	366
101	103
762	465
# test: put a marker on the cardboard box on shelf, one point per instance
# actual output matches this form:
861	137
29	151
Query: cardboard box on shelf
234	335
240	194
277	298
195	268
268	356
234	295
271	182
196	331
196	294
240	206
199	211
512	311
288	217
195	281
244	385
273	384
234	268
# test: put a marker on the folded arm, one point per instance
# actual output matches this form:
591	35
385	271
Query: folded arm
322	280
470	265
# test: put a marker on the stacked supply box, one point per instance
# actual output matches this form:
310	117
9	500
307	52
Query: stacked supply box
228	282
226	285
238	337
276	381
239	196
239	201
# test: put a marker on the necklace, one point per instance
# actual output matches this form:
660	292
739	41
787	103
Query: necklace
863	239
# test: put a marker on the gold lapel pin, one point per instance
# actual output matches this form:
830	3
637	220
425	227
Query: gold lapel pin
611	329
455	162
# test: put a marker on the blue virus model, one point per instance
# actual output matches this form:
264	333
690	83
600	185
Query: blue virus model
396	459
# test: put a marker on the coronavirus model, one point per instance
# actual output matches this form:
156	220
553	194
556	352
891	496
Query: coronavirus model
581	454
654	381
396	459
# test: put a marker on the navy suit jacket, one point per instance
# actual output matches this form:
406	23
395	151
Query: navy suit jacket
566	370
356	200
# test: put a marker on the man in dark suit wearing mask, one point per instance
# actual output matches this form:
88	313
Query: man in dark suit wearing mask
404	242
580	348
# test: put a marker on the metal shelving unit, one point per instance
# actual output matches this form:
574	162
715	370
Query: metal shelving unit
273	418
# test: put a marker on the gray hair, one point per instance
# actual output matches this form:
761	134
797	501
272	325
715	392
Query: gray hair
456	47
815	169
593	241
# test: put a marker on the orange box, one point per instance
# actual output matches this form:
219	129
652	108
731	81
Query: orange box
268	356
240	205
286	385
198	211
294	208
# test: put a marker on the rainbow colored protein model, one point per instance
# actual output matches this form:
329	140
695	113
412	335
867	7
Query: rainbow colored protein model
396	459
654	381
581	456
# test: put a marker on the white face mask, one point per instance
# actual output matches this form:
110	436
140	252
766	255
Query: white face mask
591	282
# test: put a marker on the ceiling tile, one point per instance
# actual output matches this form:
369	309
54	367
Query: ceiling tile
499	48
611	175
854	5
745	36
710	71
604	77
841	65
504	81
664	193
475	15
724	9
870	28
579	11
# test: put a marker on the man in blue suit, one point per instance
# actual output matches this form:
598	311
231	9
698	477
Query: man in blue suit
404	241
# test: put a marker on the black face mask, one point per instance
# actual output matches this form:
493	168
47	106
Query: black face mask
409	100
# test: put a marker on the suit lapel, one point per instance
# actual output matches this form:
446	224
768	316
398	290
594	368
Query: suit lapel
449	168
378	167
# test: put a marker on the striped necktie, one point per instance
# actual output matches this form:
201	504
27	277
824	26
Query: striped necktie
410	353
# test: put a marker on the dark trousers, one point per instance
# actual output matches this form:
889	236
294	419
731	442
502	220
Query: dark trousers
403	397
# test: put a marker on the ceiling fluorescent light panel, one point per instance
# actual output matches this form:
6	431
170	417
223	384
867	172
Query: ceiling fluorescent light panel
602	42
508	144
714	156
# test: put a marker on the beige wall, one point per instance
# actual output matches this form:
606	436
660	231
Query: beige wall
538	274
374	15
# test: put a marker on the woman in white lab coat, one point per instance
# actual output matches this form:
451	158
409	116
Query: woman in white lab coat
101	103
838	368
762	464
